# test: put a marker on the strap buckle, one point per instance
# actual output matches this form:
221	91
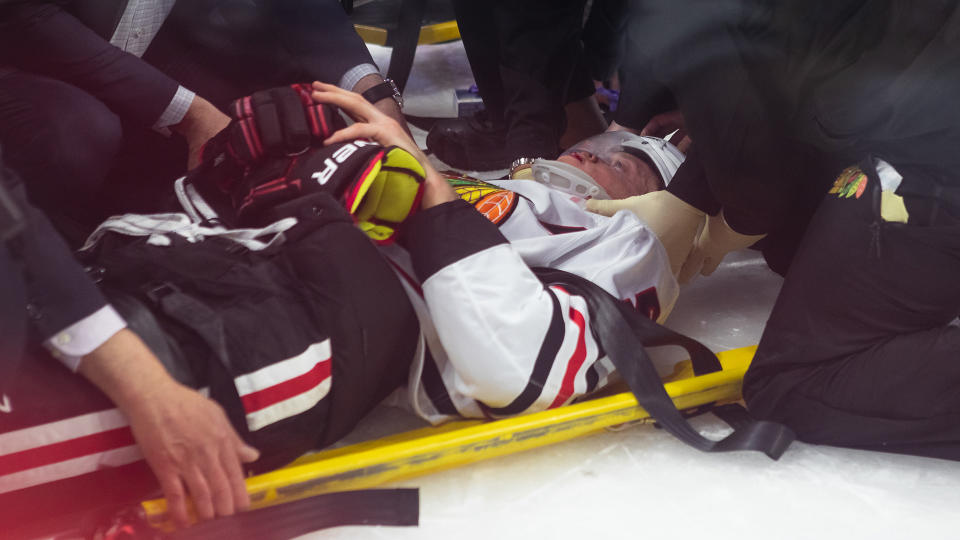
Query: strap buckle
157	291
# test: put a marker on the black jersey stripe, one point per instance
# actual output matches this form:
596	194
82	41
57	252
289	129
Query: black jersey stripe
593	375
593	378
541	369
433	384
560	229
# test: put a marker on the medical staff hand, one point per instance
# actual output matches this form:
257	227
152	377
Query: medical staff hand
673	221
666	123
184	437
371	123
712	244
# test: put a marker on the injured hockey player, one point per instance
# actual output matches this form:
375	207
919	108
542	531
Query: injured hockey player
611	165
269	297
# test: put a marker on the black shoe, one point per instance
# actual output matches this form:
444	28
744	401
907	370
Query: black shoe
475	143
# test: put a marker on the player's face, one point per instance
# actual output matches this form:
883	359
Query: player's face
621	175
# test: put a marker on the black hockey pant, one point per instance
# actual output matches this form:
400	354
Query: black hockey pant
297	344
860	350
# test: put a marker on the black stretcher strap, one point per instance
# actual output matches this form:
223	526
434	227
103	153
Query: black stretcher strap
624	333
392	507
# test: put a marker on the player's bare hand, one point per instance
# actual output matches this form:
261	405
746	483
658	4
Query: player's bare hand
193	450
185	438
371	123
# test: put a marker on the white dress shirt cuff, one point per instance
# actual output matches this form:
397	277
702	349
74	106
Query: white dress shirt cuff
176	110
79	339
353	76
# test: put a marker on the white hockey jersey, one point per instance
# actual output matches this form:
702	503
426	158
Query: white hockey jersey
495	340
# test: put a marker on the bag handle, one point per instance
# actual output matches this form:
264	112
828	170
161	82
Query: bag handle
624	333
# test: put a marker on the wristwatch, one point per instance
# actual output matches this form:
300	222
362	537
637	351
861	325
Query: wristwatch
382	91
520	164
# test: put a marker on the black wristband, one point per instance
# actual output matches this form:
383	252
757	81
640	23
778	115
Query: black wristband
384	90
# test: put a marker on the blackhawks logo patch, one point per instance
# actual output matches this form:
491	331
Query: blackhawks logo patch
851	183
494	202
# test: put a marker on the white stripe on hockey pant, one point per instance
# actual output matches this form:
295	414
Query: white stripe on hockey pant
60	431
286	388
70	468
67	448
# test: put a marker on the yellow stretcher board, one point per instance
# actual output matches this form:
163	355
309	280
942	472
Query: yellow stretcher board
433	449
429	33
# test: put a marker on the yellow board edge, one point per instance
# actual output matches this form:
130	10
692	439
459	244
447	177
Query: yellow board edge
433	449
429	34
371	34
438	33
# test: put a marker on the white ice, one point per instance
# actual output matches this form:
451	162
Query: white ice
642	483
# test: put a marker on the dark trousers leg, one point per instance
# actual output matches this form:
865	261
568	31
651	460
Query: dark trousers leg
859	350
540	47
604	38
481	42
525	57
60	139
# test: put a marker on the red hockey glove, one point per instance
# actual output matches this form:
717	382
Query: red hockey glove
281	121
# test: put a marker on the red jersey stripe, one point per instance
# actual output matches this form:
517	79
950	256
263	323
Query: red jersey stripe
576	361
272	395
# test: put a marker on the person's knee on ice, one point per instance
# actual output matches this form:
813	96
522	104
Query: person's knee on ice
64	150
84	141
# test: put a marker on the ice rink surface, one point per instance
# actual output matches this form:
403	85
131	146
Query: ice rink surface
642	483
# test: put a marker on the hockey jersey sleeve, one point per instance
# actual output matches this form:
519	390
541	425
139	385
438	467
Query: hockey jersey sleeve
511	345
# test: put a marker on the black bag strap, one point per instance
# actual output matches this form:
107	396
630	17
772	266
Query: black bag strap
392	507
624	333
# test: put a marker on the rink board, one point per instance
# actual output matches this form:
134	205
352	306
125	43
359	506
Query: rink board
427	450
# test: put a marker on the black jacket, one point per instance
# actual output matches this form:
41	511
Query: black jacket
43	287
766	86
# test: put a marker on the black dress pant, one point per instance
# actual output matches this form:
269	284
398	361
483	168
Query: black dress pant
528	61
59	138
860	350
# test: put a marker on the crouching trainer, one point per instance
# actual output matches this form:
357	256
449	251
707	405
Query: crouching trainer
861	347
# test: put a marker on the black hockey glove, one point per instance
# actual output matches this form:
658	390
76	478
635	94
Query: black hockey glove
272	153
380	187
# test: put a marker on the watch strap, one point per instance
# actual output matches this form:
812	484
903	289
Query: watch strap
384	90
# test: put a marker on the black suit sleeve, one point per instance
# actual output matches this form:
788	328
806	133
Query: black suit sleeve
42	38
266	42
318	37
51	280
